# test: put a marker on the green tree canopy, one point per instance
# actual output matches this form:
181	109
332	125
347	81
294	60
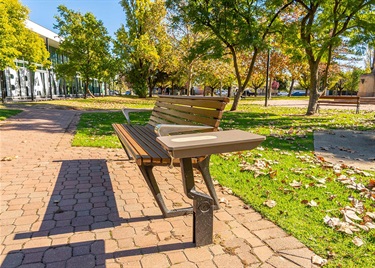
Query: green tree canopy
236	27
17	41
320	26
141	42
86	43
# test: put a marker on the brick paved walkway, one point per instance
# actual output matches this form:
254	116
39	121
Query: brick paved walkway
88	207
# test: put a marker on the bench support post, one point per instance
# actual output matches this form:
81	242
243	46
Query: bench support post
202	206
203	167
153	185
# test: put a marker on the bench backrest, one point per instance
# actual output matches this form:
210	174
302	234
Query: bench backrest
188	110
353	99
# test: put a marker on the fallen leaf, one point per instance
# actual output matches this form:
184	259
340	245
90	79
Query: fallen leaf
270	203
318	260
351	215
295	184
312	203
370	225
357	241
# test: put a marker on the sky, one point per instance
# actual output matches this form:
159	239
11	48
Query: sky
110	12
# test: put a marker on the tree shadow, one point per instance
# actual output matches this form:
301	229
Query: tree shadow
81	254
82	200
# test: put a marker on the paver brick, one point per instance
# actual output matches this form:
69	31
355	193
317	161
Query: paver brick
83	261
278	261
227	261
33	257
176	257
198	254
155	260
263	253
283	243
270	233
57	254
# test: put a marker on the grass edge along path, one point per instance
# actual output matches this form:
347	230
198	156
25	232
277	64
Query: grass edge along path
7	113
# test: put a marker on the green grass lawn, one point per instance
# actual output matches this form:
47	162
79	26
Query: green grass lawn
283	169
6	113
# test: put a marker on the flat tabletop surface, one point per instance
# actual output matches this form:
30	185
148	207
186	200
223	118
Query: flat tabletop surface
210	142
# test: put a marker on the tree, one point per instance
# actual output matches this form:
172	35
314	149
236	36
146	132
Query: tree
17	41
322	26
235	27
141	42
86	43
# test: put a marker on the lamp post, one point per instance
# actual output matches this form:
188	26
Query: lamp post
267	74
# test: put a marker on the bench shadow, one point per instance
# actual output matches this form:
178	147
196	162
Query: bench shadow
80	254
82	200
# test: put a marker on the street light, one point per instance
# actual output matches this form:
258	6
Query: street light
267	74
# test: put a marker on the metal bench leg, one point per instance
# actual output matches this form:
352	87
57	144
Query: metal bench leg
204	168
153	185
202	209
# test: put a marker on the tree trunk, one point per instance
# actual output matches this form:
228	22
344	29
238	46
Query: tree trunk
237	98
190	77
291	88
314	84
32	82
87	90
2	87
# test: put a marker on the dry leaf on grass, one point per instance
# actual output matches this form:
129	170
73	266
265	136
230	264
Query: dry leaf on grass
295	184
270	203
357	241
312	203
318	260
350	215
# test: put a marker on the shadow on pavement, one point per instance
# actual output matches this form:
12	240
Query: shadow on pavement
82	200
82	254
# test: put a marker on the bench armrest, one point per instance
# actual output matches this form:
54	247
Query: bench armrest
127	111
167	129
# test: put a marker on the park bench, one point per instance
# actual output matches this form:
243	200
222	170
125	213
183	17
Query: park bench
184	131
339	101
171	115
367	100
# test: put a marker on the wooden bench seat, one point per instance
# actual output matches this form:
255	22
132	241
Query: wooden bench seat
171	115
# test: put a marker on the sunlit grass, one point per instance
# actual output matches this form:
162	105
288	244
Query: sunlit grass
6	113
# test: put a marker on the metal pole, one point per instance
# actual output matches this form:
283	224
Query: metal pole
267	74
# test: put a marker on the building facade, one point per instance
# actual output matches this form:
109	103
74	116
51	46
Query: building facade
46	85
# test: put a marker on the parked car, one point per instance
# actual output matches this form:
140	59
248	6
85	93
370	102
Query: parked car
247	93
224	92
298	93
282	93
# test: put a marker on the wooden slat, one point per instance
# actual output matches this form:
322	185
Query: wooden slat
181	118
154	121
214	113
150	137
201	102
144	143
367	100
133	147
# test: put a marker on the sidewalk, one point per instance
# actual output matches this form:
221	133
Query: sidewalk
88	207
